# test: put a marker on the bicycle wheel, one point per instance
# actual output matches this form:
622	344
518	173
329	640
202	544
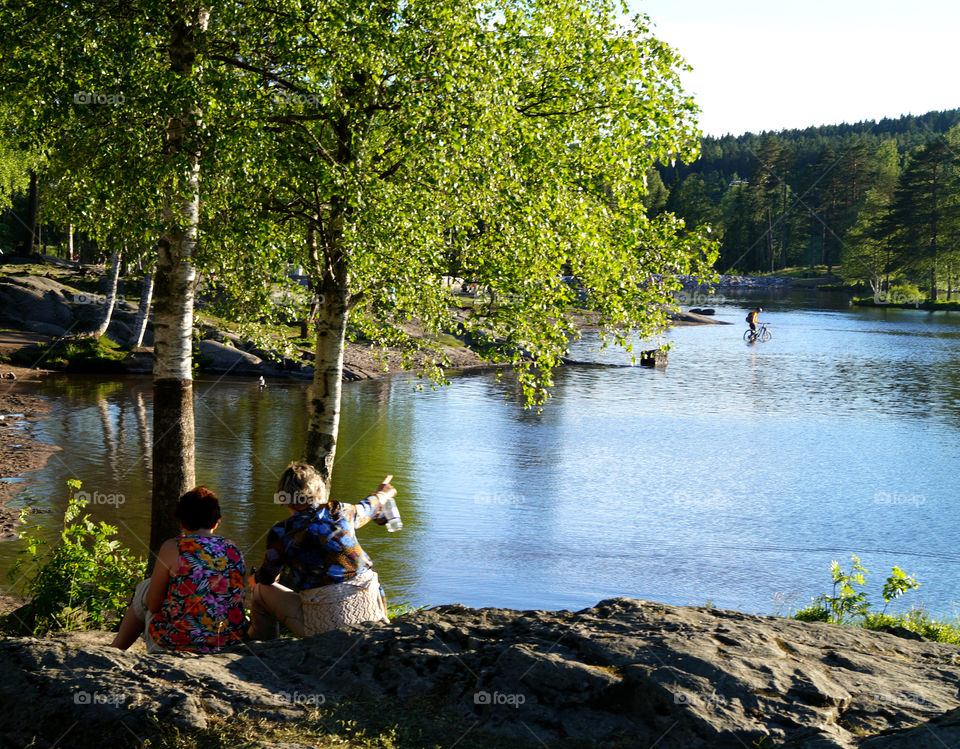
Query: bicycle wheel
748	336
766	335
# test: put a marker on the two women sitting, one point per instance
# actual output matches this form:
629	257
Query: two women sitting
194	599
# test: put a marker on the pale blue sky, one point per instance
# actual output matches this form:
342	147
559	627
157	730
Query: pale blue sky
774	65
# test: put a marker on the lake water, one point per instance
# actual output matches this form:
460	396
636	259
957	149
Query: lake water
733	476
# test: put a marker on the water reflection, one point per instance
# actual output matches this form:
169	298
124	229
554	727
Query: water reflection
734	475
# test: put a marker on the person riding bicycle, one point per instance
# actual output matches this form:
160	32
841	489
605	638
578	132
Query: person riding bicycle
752	319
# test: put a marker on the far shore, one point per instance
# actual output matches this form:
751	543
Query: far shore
223	355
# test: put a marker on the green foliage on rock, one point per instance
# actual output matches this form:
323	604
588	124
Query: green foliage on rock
84	582
848	604
79	354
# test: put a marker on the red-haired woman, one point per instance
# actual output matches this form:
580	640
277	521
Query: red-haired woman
194	599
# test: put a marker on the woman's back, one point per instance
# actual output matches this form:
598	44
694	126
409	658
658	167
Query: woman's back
203	609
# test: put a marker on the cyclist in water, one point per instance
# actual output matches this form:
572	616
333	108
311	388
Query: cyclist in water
752	319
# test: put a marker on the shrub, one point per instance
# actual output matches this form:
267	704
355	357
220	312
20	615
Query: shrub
848	605
84	582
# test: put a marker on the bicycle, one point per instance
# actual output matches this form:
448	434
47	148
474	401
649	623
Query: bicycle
760	334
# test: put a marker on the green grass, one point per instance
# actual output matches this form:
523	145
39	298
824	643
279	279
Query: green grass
803	271
366	724
919	621
81	354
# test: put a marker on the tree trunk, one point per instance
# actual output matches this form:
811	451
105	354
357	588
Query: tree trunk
323	410
70	256
173	425
116	259
143	311
783	230
33	208
770	236
324	398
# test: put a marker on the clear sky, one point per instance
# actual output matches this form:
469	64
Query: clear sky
774	65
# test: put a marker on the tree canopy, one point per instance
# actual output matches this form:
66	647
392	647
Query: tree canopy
388	148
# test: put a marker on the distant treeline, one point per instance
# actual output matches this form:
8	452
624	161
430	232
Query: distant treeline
880	198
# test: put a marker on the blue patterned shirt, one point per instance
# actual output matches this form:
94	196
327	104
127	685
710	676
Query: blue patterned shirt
319	544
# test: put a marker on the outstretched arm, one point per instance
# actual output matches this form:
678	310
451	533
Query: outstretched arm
372	507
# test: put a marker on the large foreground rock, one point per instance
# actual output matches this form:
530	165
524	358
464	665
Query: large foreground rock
625	673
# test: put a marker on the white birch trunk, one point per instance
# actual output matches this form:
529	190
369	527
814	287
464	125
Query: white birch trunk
323	411
173	423
110	302
323	401
143	311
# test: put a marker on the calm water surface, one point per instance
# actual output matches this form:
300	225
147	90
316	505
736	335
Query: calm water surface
733	476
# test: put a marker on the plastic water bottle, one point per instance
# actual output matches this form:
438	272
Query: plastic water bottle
394	523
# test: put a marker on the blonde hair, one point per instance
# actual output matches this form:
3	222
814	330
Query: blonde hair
301	484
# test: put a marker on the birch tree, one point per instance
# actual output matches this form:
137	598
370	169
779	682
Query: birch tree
117	93
504	142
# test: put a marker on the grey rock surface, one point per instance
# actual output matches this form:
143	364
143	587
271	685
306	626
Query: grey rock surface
44	328
625	671
37	299
227	359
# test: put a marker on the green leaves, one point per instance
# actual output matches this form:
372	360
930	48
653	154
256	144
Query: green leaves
85	581
503	143
897	584
848	601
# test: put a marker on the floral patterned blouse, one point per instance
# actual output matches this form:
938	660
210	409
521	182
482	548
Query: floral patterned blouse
319	543
203	610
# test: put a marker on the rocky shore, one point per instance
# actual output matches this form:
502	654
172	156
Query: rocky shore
624	673
18	454
740	282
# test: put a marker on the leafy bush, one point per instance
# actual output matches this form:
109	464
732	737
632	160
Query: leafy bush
849	605
84	582
846	602
919	621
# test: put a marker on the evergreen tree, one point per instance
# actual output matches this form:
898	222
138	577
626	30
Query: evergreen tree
923	223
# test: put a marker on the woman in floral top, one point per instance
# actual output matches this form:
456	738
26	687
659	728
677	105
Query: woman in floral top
194	599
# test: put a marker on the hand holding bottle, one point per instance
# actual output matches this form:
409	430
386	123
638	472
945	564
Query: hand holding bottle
390	511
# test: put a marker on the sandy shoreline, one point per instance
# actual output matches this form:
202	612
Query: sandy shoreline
18	453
